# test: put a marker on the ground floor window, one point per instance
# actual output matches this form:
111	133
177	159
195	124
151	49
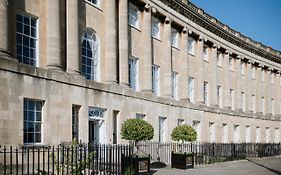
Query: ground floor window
75	122
32	122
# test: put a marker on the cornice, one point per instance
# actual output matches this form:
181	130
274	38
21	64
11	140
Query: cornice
211	24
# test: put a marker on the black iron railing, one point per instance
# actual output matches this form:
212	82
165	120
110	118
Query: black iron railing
106	158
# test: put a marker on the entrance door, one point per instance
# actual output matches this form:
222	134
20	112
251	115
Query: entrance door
94	135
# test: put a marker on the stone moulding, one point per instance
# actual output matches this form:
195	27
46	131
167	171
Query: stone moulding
211	24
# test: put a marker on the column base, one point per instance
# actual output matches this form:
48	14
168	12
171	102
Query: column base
147	91
7	55
54	67
215	106
124	85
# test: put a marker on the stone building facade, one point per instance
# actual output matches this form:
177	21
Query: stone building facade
79	68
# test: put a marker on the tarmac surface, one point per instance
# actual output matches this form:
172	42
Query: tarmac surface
255	166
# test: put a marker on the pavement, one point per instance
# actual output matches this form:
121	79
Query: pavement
256	166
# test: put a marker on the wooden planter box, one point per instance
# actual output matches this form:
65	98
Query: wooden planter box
182	160
139	165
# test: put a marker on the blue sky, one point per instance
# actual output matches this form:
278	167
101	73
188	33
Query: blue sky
257	19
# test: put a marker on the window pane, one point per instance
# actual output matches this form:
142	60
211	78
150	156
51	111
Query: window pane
38	137
19	27
26	36
37	127
19	18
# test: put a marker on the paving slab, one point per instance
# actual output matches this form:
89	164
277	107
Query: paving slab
256	166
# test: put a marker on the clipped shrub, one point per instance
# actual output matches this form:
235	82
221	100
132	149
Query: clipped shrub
184	133
137	130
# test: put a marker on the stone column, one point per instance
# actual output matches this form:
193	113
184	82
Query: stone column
183	74
270	92
146	63
259	89
214	88
166	68
238	79
110	42
72	34
4	33
200	81
53	35
123	42
226	89
249	92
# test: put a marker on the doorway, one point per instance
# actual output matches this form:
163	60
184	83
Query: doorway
94	131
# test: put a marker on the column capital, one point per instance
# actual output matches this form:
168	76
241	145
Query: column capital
184	30
190	31
153	10
251	62
168	20
147	8
200	39
227	52
214	46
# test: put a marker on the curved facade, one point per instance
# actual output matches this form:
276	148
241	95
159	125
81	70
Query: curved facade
80	68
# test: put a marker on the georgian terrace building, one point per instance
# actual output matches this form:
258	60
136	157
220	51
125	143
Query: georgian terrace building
79	68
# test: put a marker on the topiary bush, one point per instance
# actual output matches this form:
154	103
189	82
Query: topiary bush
137	130
184	133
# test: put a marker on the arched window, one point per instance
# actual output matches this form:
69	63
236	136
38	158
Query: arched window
90	48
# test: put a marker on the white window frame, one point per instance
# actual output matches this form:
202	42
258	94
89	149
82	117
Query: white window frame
133	16
263	75
242	68
276	135
254	103
211	132
133	72
155	27
280	107
248	134
219	95
236	133
90	71
219	59
20	32
258	134
272	78
155	79
75	122
191	82
231	64
162	129
231	95
243	97
197	126
174	84
206	92
224	133
180	121
140	116
263	105
174	37
191	45
272	106
267	135
205	52
32	116
253	72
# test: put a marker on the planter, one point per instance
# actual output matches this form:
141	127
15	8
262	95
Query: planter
182	160
135	164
